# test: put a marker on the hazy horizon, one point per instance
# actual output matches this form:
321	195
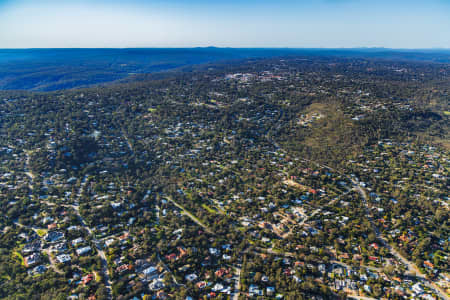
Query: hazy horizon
237	48
330	24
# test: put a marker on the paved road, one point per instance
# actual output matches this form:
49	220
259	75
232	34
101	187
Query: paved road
237	284
28	172
52	261
100	252
316	211
130	146
168	270
46	251
361	298
412	268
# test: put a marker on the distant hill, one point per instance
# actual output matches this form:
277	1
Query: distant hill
55	69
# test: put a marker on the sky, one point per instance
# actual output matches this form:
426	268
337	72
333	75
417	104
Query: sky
230	23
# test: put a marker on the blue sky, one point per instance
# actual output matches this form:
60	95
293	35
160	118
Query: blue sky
232	23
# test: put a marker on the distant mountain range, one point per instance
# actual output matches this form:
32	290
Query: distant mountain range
54	69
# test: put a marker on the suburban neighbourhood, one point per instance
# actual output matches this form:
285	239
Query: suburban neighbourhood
174	190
